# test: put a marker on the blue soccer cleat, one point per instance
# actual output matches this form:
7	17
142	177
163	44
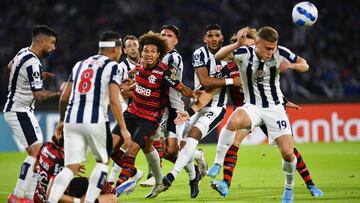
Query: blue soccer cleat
220	186
213	170
126	187
316	192
288	196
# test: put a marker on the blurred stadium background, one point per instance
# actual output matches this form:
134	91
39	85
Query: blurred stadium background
330	47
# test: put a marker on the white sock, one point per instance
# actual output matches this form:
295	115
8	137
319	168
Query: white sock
61	182
190	169
26	175
96	182
115	169
153	160
197	155
149	169
185	155
226	139
289	169
31	187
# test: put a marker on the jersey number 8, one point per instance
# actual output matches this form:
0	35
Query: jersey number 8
85	81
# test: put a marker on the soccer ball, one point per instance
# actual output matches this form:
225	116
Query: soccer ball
304	14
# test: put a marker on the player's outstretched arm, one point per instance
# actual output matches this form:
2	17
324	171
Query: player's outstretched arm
63	102
226	51
210	82
200	103
43	95
300	65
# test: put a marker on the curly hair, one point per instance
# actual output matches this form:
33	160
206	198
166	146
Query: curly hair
154	39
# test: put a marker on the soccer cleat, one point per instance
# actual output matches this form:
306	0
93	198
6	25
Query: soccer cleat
213	170
194	184
139	174
316	192
288	196
157	189
126	187
203	166
220	186
148	183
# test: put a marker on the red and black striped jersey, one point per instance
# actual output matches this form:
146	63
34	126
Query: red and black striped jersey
49	162
151	94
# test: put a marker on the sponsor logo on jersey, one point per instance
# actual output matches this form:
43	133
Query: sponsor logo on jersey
157	72
142	90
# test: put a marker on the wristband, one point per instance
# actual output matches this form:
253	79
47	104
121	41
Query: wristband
190	111
229	81
76	200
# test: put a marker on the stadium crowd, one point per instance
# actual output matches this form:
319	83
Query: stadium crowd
330	46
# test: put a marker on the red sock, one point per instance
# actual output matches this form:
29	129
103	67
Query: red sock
302	169
158	145
230	163
128	169
118	157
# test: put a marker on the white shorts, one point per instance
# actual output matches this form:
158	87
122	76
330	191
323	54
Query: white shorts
207	119
167	128
275	119
25	127
78	137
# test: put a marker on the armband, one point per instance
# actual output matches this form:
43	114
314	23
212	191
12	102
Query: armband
190	111
229	81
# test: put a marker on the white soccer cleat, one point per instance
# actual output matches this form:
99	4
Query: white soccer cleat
126	187
148	183
157	189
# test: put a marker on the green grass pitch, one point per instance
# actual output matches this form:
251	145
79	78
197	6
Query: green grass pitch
258	178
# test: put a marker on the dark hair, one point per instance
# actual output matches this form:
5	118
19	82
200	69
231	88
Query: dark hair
154	39
173	28
43	29
268	34
213	27
129	37
111	36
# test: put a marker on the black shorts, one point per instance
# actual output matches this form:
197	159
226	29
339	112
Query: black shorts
77	187
140	128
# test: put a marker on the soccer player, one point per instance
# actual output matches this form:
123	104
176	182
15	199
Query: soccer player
92	86
131	49
172	132
25	87
152	81
260	66
229	159
49	163
207	75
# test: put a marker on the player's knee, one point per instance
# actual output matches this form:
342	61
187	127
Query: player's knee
195	133
288	155
171	152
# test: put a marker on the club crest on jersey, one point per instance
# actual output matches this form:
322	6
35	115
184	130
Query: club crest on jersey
36	74
152	79
260	75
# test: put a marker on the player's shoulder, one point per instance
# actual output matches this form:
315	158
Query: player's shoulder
162	66
286	53
200	50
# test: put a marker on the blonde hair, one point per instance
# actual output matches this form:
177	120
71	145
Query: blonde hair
251	33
